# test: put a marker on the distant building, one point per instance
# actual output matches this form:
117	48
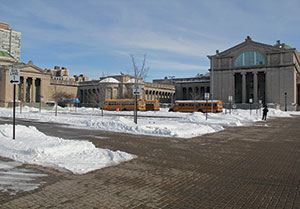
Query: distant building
10	41
257	72
188	88
80	78
35	84
120	87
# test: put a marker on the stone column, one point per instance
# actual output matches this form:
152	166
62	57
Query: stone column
255	87
41	94
244	93
24	88
232	85
33	90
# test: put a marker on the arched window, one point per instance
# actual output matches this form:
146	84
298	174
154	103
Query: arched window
249	58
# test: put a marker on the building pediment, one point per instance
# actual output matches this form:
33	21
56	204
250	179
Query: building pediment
31	68
250	45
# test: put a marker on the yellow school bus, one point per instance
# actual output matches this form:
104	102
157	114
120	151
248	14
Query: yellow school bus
197	106
123	104
152	105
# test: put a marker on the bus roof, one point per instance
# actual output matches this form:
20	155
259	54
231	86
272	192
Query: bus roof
196	101
121	100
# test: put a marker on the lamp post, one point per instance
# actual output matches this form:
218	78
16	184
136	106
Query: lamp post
285	101
230	101
172	95
206	96
250	102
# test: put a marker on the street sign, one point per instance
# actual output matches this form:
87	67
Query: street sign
136	90
206	95
14	76
250	100
230	98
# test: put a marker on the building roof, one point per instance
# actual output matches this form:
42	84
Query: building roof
133	80
248	41
5	54
109	80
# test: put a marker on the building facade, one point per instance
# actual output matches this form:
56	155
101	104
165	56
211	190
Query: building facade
36	85
188	88
10	41
120	87
253	72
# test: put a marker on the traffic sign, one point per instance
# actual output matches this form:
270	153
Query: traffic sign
14	76
230	98
206	95
136	90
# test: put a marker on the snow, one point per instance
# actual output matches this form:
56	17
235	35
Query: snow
109	80
14	179
77	156
168	124
81	156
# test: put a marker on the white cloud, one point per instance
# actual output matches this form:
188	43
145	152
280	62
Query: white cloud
176	66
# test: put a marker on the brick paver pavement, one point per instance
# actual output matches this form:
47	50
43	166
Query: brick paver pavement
240	167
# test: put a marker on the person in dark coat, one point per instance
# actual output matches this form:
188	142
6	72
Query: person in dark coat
265	112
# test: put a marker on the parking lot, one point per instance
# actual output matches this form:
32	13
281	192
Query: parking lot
240	167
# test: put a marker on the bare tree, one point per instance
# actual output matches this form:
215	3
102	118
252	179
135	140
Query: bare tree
195	96
59	95
142	72
139	74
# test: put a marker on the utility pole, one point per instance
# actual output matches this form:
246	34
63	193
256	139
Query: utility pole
172	96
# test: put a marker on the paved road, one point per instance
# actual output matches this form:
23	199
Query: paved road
240	167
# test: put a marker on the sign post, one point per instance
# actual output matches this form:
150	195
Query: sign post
230	101
206	97
136	91
14	78
250	102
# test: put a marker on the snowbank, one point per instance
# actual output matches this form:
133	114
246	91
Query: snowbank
168	124
33	147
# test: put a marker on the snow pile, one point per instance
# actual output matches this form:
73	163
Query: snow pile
34	147
169	124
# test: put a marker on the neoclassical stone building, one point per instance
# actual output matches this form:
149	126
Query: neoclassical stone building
121	86
188	88
35	84
258	72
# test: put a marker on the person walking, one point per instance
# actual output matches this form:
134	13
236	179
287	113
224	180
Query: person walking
265	113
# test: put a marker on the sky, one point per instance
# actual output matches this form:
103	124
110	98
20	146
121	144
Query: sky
97	37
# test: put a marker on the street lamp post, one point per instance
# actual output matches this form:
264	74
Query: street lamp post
230	101
250	102
172	95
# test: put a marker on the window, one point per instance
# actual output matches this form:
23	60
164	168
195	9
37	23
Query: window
249	58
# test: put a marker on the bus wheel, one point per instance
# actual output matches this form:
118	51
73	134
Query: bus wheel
200	110
171	110
124	109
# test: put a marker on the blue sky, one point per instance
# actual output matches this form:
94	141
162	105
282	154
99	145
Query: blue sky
96	37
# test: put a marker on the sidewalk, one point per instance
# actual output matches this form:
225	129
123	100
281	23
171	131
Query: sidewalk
241	167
